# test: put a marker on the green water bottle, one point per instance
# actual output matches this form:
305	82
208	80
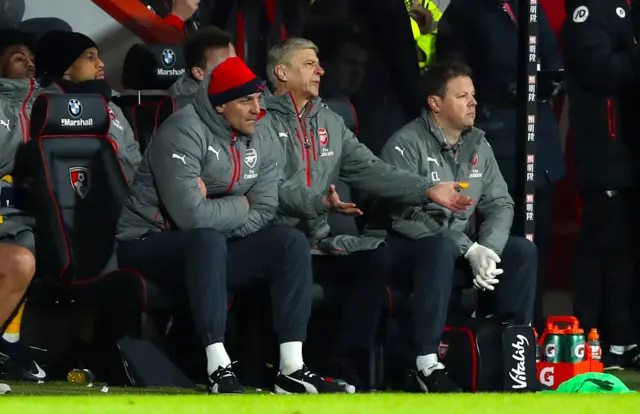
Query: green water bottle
553	346
574	346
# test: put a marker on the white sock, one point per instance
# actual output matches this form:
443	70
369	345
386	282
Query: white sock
290	357
616	349
426	363
11	337
216	357
630	347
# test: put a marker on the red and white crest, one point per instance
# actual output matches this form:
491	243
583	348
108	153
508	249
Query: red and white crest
79	177
475	160
443	347
112	115
324	136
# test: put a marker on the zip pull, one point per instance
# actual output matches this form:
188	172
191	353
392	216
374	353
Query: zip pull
307	144
233	140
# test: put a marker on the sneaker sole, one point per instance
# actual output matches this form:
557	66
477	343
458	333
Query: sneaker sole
613	368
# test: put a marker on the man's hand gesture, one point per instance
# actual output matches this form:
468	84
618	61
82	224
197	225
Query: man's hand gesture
332	202
447	194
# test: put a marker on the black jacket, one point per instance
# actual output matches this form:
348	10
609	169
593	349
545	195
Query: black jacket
484	36
603	64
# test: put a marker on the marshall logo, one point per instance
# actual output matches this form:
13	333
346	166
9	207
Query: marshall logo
79	177
519	374
324	136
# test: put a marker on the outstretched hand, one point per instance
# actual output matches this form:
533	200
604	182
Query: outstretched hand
333	203
447	194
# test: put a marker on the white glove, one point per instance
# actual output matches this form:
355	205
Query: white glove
483	263
481	284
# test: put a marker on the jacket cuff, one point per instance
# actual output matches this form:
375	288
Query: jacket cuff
175	21
320	208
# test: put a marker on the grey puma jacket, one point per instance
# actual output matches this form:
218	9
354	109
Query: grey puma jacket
420	147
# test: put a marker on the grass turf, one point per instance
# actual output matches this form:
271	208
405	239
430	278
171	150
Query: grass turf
65	397
334	404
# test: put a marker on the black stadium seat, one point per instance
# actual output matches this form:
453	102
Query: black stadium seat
345	109
167	106
152	69
79	187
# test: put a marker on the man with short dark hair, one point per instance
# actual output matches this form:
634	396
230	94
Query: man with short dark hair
69	62
203	50
428	241
16	55
17	244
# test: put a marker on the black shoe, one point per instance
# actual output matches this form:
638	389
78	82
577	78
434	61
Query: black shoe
224	381
613	362
437	381
16	362
632	358
345	370
303	381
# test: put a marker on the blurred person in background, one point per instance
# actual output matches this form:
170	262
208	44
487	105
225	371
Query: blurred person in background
17	244
603	66
484	35
345	59
204	49
424	16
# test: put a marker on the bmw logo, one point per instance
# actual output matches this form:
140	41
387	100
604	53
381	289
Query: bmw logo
168	58
75	108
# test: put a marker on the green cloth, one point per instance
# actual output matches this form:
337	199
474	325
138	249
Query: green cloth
594	382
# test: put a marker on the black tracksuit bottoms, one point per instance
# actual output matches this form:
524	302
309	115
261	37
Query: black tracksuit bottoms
604	276
211	266
430	264
361	279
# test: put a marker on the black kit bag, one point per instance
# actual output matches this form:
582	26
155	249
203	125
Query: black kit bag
483	355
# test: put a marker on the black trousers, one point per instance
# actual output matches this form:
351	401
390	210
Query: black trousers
361	280
211	266
603	277
430	264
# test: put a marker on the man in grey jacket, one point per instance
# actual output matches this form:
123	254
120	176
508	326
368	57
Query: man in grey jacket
17	244
317	150
199	212
69	62
428	242
204	49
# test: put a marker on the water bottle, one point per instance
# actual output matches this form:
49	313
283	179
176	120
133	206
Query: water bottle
593	342
539	350
80	376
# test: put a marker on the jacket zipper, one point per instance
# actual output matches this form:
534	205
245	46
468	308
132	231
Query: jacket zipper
304	142
237	167
24	119
611	118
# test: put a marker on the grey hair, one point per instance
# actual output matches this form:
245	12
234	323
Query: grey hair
280	54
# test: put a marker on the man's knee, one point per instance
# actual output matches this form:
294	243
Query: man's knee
17	264
522	251
289	240
211	238
440	247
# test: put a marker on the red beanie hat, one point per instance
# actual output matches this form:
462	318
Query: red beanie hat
232	79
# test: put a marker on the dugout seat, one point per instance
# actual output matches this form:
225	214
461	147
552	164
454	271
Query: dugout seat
78	187
167	106
149	70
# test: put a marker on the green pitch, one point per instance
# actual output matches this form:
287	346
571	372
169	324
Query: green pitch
332	404
51	398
